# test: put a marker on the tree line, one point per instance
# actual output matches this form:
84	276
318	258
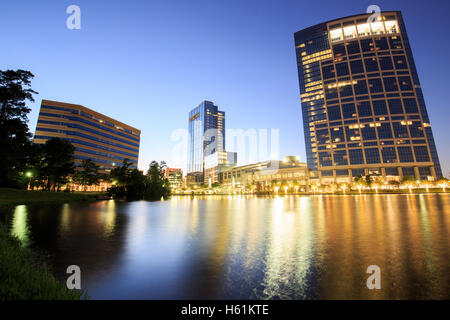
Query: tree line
51	166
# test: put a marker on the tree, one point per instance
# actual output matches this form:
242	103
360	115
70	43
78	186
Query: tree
359	182
157	185
15	137
119	175
369	180
127	183
87	175
57	163
409	182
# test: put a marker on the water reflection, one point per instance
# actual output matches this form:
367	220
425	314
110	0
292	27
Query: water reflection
246	247
19	227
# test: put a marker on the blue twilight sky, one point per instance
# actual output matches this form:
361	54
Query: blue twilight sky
147	63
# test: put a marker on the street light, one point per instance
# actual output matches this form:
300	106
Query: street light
29	174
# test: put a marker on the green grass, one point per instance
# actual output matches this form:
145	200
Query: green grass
25	277
13	197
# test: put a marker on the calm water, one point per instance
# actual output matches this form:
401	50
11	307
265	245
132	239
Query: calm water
307	247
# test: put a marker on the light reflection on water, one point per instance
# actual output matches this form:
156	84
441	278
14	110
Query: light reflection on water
244	247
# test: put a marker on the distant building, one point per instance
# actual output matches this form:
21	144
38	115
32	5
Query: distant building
206	136
175	177
217	162
267	176
363	108
95	136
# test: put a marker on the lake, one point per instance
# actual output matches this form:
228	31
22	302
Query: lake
247	247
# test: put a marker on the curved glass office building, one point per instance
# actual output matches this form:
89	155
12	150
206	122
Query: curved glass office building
362	104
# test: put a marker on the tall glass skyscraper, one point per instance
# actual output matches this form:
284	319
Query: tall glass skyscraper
362	104
206	136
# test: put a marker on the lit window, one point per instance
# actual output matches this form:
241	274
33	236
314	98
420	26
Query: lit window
391	26
363	30
336	35
377	27
350	32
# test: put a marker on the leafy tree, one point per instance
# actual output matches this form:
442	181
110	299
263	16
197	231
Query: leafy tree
57	162
119	175
15	137
368	180
408	179
127	183
157	184
34	163
87	175
136	185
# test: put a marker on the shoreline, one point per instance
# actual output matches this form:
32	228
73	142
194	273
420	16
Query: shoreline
14	197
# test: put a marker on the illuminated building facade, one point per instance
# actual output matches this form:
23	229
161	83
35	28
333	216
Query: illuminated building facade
267	176
105	141
206	136
362	103
175	177
217	162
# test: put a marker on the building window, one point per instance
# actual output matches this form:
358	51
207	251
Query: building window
364	109
410	105
395	106
400	130
371	64
355	156
368	133
375	85
390	84
405	154
353	47
334	113
416	130
386	63
360	87
356	66
421	153
342	69
405	83
379	107
325	159
340	158
389	155
400	62
372	155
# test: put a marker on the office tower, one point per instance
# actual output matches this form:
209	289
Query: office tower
206	136
104	140
362	103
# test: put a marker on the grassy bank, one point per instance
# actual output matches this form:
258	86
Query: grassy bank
13	197
25	277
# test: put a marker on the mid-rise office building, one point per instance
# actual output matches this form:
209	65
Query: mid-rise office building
288	175
206	136
175	177
95	136
216	163
363	108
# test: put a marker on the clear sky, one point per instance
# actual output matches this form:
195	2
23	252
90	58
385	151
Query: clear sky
147	63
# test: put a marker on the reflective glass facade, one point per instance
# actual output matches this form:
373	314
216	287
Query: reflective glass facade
104	140
362	104
206	135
